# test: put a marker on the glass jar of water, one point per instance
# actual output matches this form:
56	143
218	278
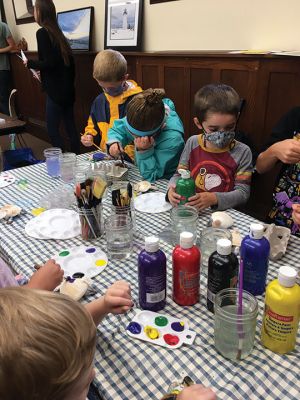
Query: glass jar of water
235	326
184	219
208	242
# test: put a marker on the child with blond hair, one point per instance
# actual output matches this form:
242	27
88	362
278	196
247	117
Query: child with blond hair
110	71
48	341
157	131
220	165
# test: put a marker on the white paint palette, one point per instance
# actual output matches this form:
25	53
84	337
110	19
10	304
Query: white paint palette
152	203
81	261
6	179
160	329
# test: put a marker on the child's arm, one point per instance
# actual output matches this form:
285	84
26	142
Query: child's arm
48	277
117	300
296	213
118	134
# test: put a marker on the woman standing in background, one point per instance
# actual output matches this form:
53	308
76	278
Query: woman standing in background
57	70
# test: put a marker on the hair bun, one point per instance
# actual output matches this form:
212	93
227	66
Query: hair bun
153	96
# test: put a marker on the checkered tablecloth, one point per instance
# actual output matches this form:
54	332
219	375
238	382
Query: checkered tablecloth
132	369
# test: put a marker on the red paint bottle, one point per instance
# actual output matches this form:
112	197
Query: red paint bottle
186	271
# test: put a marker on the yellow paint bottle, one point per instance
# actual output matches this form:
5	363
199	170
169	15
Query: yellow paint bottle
281	315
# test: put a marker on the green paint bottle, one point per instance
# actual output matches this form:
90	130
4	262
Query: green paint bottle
185	186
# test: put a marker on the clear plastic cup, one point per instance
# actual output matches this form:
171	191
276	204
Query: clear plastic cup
67	164
52	161
208	242
81	171
234	330
91	221
119	236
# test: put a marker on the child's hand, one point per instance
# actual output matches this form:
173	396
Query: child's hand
48	277
116	149
87	140
202	200
287	151
296	213
174	198
144	143
196	392
117	299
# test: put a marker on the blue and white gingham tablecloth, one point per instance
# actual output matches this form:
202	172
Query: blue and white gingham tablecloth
132	369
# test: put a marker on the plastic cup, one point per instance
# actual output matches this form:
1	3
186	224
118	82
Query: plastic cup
67	164
52	161
235	329
119	236
184	219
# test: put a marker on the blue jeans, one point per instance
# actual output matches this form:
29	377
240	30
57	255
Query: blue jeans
4	91
54	115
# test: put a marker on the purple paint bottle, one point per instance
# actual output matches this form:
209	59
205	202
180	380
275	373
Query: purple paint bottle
152	271
255	251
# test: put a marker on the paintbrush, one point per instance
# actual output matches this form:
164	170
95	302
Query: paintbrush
121	155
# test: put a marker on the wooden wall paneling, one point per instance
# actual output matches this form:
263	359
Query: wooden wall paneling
150	76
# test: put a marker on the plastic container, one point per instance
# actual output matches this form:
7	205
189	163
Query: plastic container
186	271
183	219
91	221
119	236
185	186
234	333
152	272
223	269
255	251
52	161
67	164
281	316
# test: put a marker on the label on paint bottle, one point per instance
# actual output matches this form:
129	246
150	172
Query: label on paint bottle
155	297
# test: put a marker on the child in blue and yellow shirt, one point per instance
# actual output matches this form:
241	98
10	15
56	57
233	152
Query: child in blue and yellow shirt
220	165
110	71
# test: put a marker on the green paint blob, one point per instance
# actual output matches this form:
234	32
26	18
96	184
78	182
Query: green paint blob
64	253
161	321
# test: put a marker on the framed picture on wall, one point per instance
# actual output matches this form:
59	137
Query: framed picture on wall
123	24
23	11
77	27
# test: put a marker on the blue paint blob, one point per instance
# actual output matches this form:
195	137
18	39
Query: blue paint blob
90	250
78	275
177	326
134	328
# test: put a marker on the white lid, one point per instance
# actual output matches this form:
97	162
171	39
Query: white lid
224	247
151	244
257	231
186	240
185	174
287	276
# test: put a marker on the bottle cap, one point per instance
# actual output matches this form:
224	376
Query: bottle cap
151	244
185	174
186	240
224	247
257	231
287	276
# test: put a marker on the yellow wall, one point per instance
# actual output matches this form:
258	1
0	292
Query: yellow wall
196	24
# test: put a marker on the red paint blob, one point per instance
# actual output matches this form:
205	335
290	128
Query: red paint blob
172	340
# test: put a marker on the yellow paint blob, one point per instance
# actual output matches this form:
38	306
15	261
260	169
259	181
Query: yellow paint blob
152	333
100	263
37	211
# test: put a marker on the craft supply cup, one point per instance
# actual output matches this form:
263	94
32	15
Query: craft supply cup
119	236
125	210
67	164
234	331
52	161
81	171
208	242
91	221
184	219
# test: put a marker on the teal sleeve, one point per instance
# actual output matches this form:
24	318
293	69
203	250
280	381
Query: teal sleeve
118	133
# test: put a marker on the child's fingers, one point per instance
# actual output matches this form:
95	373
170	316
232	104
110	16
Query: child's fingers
119	292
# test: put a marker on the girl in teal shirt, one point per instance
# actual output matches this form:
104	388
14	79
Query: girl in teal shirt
152	122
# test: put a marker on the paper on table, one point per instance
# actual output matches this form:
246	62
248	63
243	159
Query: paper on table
33	71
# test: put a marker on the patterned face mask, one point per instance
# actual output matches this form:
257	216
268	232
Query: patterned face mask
115	91
220	139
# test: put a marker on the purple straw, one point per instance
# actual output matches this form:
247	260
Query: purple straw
240	310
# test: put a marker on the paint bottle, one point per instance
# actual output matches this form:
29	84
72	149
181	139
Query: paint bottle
185	186
255	250
281	315
152	272
223	269
186	271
